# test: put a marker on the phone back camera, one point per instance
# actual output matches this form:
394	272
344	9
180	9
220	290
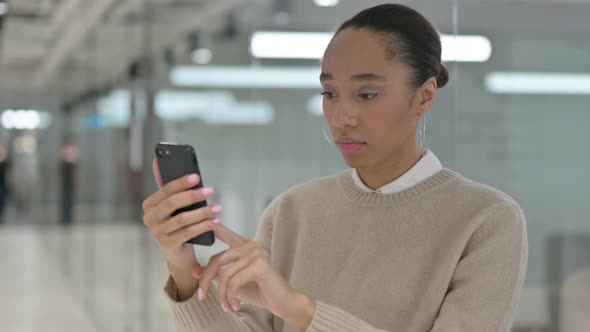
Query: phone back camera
162	153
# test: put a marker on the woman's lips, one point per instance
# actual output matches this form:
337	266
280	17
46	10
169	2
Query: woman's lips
350	147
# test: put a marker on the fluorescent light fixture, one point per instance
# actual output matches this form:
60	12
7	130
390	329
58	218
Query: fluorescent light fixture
465	48
289	45
20	119
3	8
311	45
247	77
212	107
326	3
538	83
202	56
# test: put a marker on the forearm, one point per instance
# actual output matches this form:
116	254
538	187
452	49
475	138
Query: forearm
186	284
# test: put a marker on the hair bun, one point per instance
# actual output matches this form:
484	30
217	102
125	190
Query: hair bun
443	76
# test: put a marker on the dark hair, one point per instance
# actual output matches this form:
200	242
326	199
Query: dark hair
411	39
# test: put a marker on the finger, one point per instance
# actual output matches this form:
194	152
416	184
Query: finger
181	236
197	272
156	171
223	289
211	270
216	262
188	218
242	277
230	237
184	183
183	199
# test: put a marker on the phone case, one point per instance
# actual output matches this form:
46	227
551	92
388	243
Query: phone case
175	161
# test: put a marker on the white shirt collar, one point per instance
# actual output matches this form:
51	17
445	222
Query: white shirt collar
426	167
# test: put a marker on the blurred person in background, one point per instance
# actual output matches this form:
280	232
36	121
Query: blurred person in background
396	243
69	157
4	180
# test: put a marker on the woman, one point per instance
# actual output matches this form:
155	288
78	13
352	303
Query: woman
398	243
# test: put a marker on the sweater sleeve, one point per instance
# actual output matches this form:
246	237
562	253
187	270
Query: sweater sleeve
193	315
486	286
484	289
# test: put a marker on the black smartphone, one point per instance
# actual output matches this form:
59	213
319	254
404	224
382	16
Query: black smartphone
175	161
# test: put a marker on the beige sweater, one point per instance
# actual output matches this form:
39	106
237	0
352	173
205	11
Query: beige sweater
447	254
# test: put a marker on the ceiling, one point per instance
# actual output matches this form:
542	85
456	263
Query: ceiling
57	45
68	46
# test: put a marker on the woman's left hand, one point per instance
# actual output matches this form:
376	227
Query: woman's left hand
244	272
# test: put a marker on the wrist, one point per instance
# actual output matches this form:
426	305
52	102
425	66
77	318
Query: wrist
303	309
181	269
186	285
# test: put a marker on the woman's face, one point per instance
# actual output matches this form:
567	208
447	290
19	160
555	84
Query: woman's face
368	103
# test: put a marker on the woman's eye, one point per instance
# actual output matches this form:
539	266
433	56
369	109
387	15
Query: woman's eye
328	94
367	96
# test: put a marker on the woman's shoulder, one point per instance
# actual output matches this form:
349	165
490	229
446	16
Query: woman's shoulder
484	190
480	195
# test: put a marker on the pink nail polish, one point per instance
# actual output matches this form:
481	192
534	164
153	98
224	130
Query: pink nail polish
217	221
200	294
217	208
223	307
207	191
192	178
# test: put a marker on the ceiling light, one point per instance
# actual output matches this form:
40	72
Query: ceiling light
289	45
464	48
538	83
247	77
20	119
326	3
311	45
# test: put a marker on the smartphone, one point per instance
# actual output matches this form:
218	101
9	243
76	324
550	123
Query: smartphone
175	161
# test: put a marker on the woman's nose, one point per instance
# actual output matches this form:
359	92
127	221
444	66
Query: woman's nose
344	116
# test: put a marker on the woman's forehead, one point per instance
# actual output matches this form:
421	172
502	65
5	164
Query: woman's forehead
356	51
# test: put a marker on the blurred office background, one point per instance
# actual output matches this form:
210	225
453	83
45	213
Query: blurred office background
87	87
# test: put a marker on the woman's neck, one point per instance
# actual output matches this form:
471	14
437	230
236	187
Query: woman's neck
392	169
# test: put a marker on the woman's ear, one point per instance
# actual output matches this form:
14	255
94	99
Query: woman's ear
427	95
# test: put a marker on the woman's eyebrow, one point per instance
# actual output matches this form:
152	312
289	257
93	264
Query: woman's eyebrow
367	77
356	77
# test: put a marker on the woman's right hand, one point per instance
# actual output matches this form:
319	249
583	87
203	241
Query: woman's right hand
171	233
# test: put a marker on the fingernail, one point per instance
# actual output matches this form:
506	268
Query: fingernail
235	307
217	208
192	178
200	294
217	221
207	191
223	307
